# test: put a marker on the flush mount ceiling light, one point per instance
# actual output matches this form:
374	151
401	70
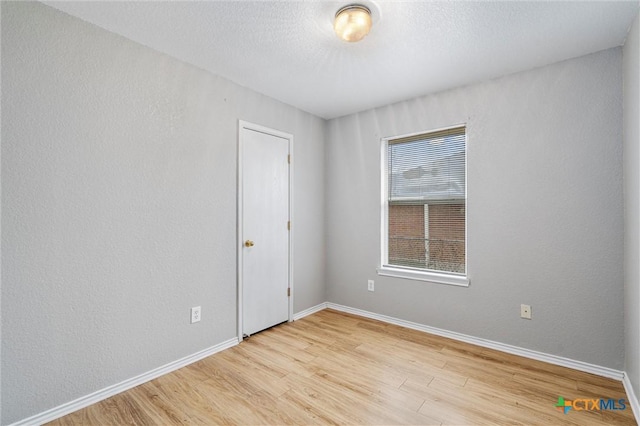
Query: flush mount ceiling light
352	22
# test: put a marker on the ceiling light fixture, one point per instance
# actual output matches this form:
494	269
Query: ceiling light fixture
352	22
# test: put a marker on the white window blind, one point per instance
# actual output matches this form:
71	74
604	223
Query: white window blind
426	203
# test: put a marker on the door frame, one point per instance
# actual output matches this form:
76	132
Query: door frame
245	125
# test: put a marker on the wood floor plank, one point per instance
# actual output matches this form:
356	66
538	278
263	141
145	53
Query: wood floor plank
336	368
358	407
355	361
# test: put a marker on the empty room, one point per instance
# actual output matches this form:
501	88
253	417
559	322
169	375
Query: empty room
320	212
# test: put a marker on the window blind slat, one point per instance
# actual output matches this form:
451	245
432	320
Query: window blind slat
427	167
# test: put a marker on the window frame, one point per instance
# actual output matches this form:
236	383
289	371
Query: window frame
419	274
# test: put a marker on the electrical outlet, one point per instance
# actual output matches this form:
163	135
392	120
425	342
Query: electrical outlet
370	285
195	314
525	311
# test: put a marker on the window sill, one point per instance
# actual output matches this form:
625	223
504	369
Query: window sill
420	275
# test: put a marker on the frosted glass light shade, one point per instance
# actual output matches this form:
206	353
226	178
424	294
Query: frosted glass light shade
352	22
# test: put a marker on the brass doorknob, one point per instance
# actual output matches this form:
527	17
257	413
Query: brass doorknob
248	243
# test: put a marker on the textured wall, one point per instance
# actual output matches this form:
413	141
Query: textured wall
631	69
119	207
544	210
0	230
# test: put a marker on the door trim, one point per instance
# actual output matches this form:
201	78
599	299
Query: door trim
242	125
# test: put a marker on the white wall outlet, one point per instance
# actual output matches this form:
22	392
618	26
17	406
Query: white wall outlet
370	285
525	311
195	314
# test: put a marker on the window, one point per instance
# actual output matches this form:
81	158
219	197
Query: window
424	206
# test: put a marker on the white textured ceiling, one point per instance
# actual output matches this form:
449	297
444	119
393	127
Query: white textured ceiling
288	50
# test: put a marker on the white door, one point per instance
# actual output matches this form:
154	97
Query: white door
264	244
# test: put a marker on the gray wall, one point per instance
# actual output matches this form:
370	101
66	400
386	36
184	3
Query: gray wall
545	223
1	274
631	69
119	207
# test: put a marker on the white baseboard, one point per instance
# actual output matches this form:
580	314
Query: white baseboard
631	396
309	311
515	350
107	392
112	390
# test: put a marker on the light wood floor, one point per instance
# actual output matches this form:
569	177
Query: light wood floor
335	368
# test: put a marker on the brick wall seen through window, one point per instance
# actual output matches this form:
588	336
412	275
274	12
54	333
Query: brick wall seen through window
428	236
